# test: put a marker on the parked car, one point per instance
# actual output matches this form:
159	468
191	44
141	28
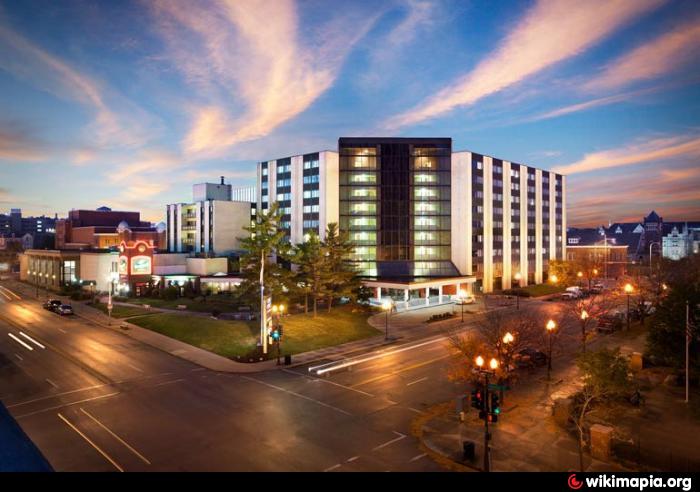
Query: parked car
465	300
64	309
572	293
528	358
52	304
611	322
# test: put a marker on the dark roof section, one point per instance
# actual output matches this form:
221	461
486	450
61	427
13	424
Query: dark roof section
652	217
17	452
587	236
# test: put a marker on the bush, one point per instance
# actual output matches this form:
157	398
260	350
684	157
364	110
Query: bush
170	294
440	317
215	313
517	292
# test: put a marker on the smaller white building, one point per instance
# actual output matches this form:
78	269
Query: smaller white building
680	242
211	224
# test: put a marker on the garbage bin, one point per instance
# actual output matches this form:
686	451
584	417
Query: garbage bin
288	359
468	450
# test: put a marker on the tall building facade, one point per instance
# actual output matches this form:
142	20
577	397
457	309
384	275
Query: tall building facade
422	216
209	225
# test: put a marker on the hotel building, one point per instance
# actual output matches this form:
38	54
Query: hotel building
426	220
212	223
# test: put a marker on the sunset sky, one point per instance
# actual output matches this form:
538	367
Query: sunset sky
128	103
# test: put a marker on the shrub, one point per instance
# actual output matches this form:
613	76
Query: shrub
170	294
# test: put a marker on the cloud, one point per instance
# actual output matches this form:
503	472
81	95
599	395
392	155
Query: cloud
19	144
550	32
636	153
27	61
656	58
253	64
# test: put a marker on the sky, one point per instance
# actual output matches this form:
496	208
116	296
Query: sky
128	103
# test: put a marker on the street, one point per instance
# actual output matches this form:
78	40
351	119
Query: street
93	399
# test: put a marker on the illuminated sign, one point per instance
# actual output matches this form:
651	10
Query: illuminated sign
141	265
123	265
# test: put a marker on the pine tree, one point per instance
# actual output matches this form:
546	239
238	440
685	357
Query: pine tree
342	279
311	277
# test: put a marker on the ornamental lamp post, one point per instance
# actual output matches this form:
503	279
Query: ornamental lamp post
518	277
580	276
386	306
493	364
462	297
551	326
628	290
584	318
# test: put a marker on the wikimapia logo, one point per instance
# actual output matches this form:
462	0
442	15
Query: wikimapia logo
639	483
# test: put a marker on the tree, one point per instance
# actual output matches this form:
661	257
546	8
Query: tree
585	311
666	337
264	245
341	277
605	375
311	277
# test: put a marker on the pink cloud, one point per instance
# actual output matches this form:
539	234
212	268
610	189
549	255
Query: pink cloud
550	32
656	58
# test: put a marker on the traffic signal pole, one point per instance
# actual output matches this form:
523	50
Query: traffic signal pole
486	423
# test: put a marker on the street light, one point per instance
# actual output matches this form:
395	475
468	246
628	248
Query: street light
518	277
628	290
551	326
584	318
277	312
493	364
462	297
386	306
554	279
580	276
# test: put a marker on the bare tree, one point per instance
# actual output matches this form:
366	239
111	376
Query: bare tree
584	312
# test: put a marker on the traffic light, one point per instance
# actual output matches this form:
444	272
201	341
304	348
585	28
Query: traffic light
275	335
495	404
478	398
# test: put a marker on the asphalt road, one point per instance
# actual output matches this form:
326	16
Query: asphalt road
93	399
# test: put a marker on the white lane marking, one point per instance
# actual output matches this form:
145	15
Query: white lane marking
31	340
141	457
401	436
6	290
51	383
169	382
66	405
57	394
331	468
19	357
5	295
135	368
416	458
417	381
414	410
329	382
62	330
28	347
198	369
99	450
350	460
297	394
334	366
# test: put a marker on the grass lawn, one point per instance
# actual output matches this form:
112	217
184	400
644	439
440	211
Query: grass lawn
220	303
122	311
238	338
543	289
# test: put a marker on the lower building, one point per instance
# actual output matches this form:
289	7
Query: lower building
610	260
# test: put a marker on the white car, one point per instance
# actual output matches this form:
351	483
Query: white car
465	300
572	293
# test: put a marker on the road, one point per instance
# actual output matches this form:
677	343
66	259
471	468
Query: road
93	399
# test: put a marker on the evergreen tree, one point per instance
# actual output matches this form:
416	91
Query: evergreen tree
341	277
311	277
265	245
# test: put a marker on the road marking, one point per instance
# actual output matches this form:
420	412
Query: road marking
416	458
135	368
99	450
31	340
19	357
350	460
401	436
66	405
417	381
324	368
297	394
51	383
62	330
394	373
331	468
414	410
198	369
28	347
5	295
4	291
57	394
329	382
116	437
169	382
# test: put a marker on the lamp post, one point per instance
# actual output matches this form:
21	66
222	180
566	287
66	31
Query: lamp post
493	364
584	321
551	326
518	277
580	276
386	306
112	280
507	340
628	290
277	312
462	297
